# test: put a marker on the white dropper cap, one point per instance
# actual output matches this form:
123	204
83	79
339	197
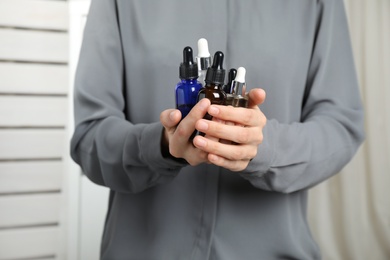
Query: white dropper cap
240	76
203	48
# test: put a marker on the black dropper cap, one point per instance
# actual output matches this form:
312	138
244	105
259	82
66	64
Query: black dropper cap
216	74
231	76
188	68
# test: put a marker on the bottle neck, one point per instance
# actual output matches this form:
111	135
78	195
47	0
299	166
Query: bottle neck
189	81
211	85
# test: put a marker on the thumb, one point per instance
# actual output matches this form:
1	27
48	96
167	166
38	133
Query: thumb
170	117
256	97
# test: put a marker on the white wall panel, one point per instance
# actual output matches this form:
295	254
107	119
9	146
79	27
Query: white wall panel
31	143
32	176
34	86
19	111
33	78
28	242
38	46
28	210
39	14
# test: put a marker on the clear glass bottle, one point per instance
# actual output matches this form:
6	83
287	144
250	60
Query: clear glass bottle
203	59
228	87
240	98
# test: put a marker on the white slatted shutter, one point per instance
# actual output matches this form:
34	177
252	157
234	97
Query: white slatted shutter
33	116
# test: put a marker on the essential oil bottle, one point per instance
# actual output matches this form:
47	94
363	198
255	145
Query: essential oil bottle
228	87
240	98
188	88
203	59
215	77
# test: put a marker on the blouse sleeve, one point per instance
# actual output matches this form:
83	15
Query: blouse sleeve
112	151
302	154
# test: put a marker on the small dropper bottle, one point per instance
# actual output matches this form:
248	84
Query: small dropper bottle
228	87
188	88
203	59
240	99
215	77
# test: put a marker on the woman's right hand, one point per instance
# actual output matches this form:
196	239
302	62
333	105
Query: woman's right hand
176	134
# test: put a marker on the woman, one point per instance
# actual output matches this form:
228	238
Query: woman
223	201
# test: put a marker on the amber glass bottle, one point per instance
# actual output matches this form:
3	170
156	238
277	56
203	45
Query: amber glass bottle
215	77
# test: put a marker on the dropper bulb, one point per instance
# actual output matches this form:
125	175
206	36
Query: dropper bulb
187	56
188	68
218	60
240	77
216	74
232	75
203	48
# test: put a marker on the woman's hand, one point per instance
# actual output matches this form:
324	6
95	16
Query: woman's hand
244	135
176	135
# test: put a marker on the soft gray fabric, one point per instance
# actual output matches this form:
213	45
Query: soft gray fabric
298	51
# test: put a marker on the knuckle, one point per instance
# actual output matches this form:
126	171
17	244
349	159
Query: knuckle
239	166
202	156
264	120
237	154
247	117
191	162
260	138
195	158
243	136
162	117
180	131
217	128
174	152
253	153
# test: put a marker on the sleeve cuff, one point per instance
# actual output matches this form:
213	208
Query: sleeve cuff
150	148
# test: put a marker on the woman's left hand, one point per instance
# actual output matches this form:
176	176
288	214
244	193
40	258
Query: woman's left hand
244	136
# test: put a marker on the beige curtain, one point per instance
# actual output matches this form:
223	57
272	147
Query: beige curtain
350	213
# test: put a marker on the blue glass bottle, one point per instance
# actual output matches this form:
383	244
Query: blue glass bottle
188	87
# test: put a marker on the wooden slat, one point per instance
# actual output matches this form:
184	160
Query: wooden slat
30	176
29	242
31	144
33	78
39	14
33	111
29	210
25	45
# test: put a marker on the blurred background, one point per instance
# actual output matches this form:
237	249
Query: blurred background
48	210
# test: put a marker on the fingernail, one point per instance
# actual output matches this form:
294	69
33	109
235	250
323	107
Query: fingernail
202	125
200	142
172	115
213	111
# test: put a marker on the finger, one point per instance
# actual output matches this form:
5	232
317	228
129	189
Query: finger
210	137
233	133
228	164
225	141
228	151
170	117
256	97
187	125
238	115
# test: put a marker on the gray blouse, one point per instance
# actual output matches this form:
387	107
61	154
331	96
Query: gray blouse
298	51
